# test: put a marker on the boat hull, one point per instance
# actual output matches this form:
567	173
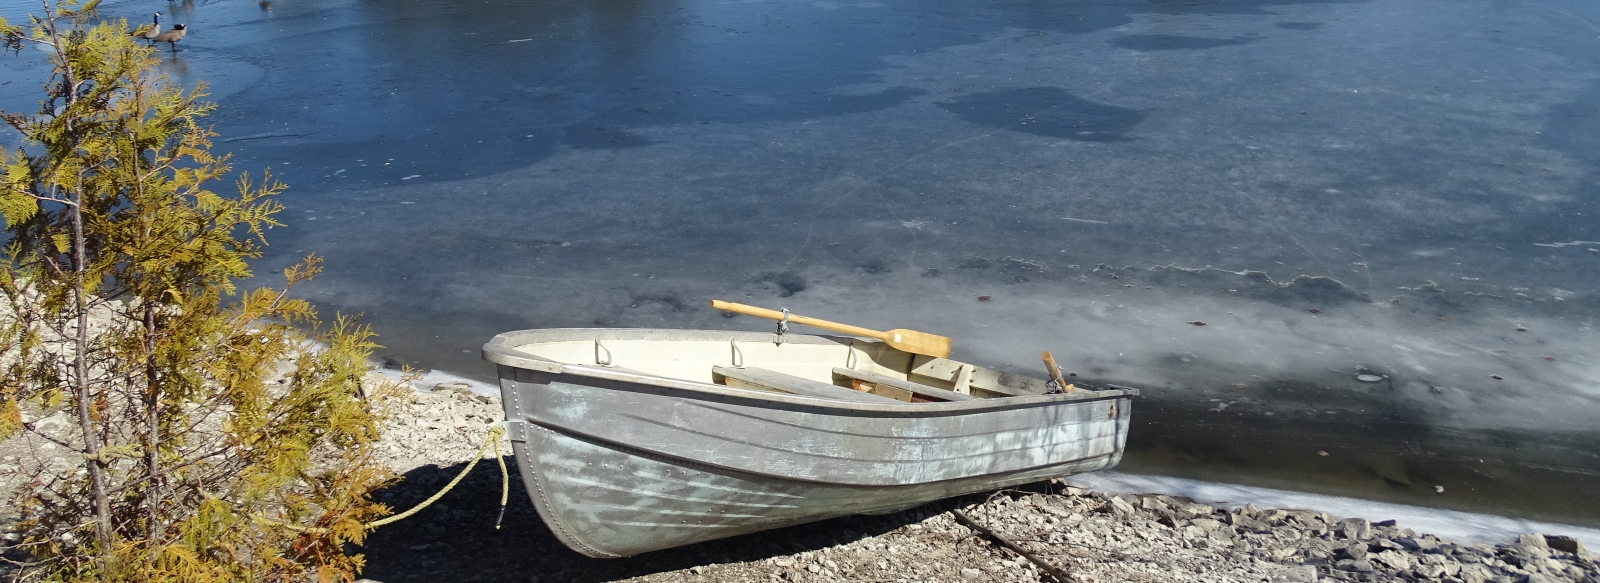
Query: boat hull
606	501
619	463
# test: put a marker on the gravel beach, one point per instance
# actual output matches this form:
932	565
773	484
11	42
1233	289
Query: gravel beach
1090	537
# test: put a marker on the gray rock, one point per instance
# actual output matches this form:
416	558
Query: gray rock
1251	525
1196	509
1355	551
1306	517
1520	555
1121	507
1353	565
1565	544
1152	504
1476	573
1423	544
1384	544
1355	529
1393	560
1056	508
1300	574
1429	571
1451	568
1319	548
1533	541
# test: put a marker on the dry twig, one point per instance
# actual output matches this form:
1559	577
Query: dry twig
1055	572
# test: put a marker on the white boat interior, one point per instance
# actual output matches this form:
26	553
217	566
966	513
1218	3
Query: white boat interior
827	367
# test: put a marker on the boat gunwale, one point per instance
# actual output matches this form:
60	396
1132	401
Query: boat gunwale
500	351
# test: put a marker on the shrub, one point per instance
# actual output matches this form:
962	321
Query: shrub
223	434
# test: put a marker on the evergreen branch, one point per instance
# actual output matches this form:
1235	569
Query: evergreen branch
47	437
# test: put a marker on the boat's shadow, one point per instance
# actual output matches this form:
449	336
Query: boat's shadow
455	540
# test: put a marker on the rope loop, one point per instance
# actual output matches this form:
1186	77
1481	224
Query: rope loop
493	439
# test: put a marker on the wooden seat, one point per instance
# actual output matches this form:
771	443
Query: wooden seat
901	390
761	378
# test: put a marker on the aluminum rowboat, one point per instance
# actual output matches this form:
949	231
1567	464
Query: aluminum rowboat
635	440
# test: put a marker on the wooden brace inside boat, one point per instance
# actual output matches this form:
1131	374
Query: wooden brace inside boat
894	388
760	378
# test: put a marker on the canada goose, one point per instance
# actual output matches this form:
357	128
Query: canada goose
149	32
170	37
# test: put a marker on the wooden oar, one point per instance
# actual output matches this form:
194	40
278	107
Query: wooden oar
903	340
1055	373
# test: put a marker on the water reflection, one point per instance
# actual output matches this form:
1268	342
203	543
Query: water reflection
175	66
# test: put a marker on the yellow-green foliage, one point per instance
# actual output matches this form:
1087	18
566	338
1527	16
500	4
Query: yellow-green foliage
224	434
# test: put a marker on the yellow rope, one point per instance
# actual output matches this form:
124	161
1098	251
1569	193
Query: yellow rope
505	489
505	480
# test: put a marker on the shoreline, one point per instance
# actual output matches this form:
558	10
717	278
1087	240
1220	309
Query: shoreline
1250	487
1450	525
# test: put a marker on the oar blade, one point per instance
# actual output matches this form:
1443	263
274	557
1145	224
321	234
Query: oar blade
919	343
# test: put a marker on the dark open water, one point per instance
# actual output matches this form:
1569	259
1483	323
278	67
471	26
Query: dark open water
1106	171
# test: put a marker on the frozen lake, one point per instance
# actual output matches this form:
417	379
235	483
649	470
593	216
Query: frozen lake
1399	188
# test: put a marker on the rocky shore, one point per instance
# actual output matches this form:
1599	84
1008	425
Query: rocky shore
1088	536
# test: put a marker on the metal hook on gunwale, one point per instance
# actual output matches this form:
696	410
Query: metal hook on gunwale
598	348
783	325
738	355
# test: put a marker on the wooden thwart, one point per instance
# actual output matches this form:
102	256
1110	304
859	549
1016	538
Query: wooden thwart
912	392
948	374
761	378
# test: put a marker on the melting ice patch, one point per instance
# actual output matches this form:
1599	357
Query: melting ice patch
433	377
1447	524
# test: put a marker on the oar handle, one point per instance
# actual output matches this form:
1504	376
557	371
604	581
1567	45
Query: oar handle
1055	372
813	322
